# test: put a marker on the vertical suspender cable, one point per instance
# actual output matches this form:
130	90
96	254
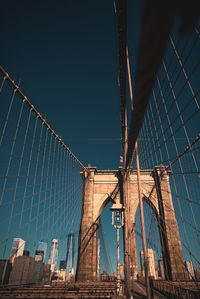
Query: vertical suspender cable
179	112
140	194
7	116
184	72
7	172
180	163
63	216
41	183
28	172
49	222
46	187
181	167
167	151
153	139
20	167
59	204
55	184
33	196
2	83
25	141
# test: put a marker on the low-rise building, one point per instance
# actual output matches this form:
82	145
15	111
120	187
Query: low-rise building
26	270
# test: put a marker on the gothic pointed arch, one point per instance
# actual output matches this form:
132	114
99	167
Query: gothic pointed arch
98	188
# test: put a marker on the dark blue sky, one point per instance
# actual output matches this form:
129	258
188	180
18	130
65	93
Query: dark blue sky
65	53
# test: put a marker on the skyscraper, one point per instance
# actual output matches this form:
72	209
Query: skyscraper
54	254
42	246
151	256
18	247
190	268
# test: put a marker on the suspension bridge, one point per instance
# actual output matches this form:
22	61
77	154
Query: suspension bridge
47	193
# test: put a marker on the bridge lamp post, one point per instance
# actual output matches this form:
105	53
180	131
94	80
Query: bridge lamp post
117	222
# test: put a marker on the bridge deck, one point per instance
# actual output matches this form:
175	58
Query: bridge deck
62	290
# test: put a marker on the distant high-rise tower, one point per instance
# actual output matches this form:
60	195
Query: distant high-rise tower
17	247
161	269
190	268
42	246
70	255
151	255
54	254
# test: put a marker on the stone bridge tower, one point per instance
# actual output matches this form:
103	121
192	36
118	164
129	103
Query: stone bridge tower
98	189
